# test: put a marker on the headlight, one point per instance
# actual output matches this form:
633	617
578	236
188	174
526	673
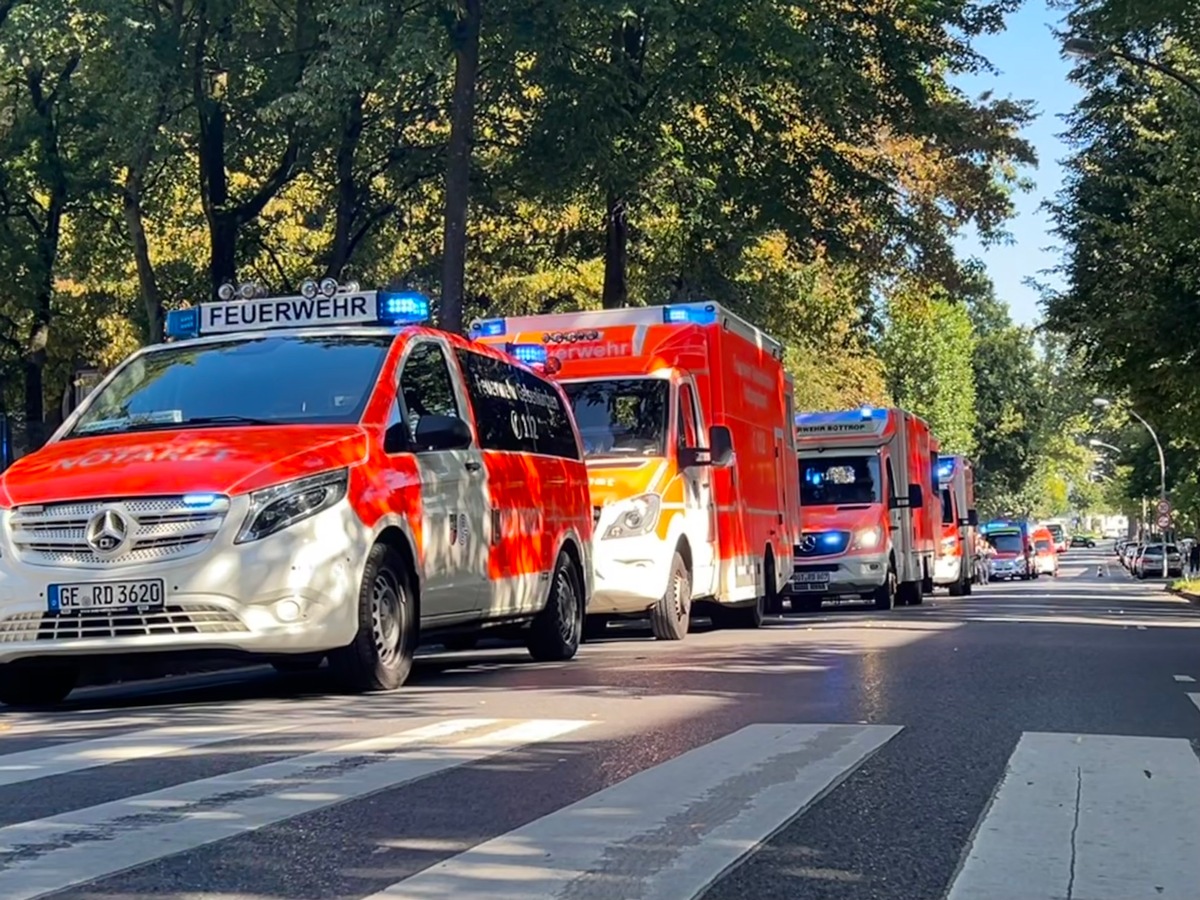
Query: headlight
275	508
638	516
867	538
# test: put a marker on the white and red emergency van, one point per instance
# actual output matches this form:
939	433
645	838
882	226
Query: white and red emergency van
955	565
685	414
298	478
869	508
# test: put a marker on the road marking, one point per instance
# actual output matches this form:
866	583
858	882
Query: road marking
1185	678
1101	817
48	855
59	759
1195	698
665	833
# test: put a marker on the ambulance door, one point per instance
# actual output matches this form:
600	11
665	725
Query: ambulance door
453	487
698	502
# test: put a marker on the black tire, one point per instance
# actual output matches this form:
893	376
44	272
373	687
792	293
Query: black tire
960	587
743	617
774	600
461	642
885	594
36	685
290	665
671	616
380	657
968	587
557	631
910	594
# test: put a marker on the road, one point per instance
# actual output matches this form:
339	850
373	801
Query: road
1033	741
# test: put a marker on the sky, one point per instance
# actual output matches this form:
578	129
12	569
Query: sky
1030	67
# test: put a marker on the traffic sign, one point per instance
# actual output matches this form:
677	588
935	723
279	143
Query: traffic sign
1164	521
1164	507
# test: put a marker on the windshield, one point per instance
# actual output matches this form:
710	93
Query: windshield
1043	546
833	480
1056	531
1007	542
947	507
621	418
272	380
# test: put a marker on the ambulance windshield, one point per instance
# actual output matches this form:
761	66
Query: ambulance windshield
839	480
621	418
269	380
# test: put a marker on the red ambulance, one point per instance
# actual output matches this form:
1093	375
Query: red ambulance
685	413
870	510
955	565
296	478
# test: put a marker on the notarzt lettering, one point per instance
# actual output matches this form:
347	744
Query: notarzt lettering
161	453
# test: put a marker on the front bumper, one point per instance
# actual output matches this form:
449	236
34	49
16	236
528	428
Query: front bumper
1007	568
295	591
630	574
840	576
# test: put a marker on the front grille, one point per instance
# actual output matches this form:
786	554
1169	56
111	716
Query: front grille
823	567
197	619
164	528
822	543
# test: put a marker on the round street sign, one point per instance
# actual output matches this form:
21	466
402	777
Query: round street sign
1164	521
1164	507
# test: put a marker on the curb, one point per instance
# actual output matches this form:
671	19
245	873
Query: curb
1194	599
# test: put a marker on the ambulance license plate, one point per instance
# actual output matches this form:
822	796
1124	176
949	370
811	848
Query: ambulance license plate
810	581
106	596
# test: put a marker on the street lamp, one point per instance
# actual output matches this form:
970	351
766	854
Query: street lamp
1089	49
1095	443
1162	466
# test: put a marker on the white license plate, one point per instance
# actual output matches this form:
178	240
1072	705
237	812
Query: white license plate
106	596
811	577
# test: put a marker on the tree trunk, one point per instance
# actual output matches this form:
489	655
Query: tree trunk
616	254
465	41
347	190
147	282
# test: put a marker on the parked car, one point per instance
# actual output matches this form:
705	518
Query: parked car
1129	554
1149	562
1083	540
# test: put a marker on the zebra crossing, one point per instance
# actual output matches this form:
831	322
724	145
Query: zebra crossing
1101	817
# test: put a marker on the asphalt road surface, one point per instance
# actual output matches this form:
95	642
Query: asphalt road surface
1034	741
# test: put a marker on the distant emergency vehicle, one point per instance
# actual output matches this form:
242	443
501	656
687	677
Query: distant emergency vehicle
296	477
955	564
1012	541
869	504
684	412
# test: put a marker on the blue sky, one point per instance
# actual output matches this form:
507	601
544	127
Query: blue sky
1030	68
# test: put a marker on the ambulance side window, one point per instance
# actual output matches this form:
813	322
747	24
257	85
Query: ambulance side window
688	429
501	417
889	482
426	387
551	421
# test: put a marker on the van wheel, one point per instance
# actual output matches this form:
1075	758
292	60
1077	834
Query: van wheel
957	589
774	601
380	657
885	594
557	630
671	616
36	685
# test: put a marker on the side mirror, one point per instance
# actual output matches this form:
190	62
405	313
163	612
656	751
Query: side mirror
442	433
720	446
972	518
7	453
395	439
916	497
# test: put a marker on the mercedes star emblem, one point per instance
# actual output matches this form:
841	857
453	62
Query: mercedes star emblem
808	543
107	531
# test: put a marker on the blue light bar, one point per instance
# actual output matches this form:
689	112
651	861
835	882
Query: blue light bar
831	538
693	314
865	412
490	328
402	307
530	354
183	323
945	467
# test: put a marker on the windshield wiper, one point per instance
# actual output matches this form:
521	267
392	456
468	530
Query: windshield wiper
224	420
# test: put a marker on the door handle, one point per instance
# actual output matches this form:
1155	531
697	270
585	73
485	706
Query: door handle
473	465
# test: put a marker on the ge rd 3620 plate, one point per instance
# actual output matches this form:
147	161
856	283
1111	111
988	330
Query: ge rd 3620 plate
106	596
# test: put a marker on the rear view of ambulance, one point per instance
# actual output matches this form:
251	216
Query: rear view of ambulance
955	565
684	412
296	478
869	506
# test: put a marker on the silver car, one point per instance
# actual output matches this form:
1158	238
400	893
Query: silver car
1149	562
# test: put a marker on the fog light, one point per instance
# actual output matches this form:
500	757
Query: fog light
287	610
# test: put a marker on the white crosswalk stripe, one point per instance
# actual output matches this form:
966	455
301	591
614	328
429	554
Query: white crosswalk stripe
50	854
665	833
1102	817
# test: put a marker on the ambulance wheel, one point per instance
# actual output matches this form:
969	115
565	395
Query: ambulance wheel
751	616
671	616
968	587
557	630
910	594
22	685
885	594
774	600
959	587
381	655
